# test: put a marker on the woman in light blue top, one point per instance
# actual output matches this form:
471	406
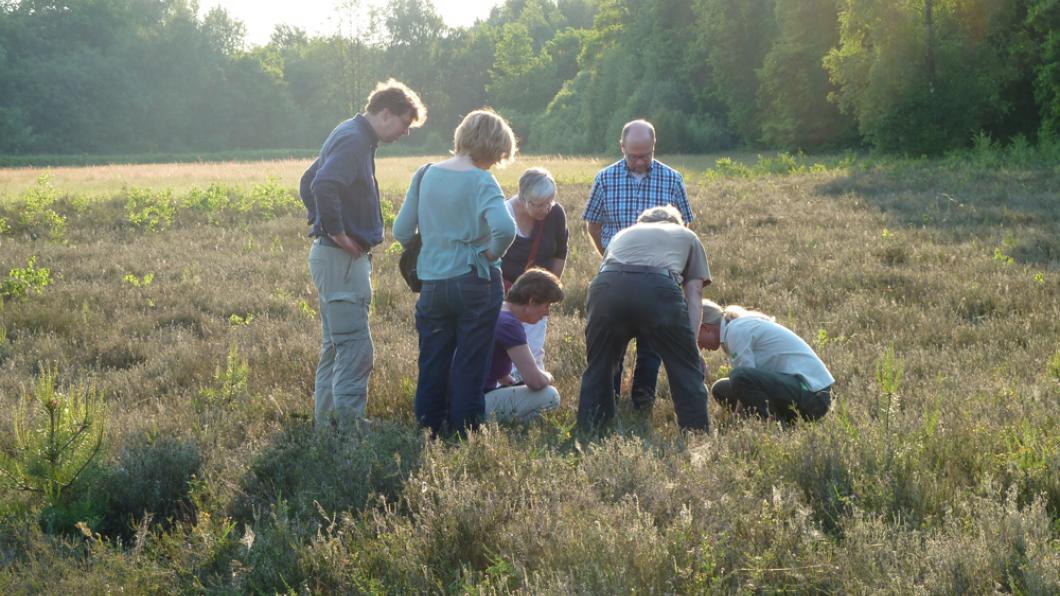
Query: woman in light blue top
460	215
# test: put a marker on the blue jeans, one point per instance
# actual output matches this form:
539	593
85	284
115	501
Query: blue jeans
455	319
621	306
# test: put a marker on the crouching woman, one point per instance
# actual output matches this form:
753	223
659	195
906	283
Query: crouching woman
775	374
528	302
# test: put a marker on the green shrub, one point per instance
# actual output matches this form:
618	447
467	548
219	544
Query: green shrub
22	281
57	435
152	477
148	210
330	471
36	213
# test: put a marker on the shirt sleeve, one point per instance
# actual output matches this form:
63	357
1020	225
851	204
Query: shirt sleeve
696	267
339	170
305	190
561	231
408	218
596	208
493	211
679	198
510	333
740	344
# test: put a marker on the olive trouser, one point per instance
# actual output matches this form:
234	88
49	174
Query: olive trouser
345	292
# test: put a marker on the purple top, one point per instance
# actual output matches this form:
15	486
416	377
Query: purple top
509	334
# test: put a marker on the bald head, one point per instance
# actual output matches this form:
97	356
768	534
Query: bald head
638	129
638	145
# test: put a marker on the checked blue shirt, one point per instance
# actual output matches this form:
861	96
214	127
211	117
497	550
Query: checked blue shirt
617	197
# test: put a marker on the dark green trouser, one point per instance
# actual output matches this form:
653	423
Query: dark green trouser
771	395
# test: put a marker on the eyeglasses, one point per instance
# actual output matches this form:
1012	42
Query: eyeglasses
541	205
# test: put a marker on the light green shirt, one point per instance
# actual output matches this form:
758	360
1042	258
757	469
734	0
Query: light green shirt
460	215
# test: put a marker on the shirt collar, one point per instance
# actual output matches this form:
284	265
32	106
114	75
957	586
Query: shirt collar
629	172
366	127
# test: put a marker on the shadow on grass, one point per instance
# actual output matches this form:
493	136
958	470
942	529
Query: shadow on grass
965	201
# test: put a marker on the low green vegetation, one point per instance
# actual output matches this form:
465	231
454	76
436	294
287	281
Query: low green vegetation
158	359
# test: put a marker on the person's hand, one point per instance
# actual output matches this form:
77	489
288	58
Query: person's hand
505	381
703	366
551	380
349	245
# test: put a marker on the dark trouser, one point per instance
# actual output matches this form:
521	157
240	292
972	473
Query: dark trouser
645	375
456	319
771	395
624	305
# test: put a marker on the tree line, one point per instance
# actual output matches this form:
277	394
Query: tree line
899	76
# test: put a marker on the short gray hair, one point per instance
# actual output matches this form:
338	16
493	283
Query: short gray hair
712	312
638	123
662	213
536	183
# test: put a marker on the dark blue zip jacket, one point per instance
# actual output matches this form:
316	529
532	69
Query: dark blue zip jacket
340	191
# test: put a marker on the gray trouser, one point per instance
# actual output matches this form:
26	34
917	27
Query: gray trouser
345	288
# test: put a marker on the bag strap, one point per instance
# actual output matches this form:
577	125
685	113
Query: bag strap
537	233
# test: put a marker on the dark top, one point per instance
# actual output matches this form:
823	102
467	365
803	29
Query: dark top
339	190
553	246
509	334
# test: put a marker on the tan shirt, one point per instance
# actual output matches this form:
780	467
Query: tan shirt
660	244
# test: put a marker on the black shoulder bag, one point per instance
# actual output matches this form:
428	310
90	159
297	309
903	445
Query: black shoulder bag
411	251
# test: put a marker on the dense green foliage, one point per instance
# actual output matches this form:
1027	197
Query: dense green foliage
905	76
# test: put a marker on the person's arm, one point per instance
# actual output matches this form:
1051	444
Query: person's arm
407	220
694	299
348	244
680	200
524	362
305	191
595	231
557	267
500	223
559	258
595	213
332	176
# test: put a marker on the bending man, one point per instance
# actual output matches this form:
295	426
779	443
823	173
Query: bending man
775	374
651	272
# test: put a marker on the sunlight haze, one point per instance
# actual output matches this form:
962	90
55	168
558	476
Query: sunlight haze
320	16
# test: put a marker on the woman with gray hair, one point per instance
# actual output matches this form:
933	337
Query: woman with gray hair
775	374
540	241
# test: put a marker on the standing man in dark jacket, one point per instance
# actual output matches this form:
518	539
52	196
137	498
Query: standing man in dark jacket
342	198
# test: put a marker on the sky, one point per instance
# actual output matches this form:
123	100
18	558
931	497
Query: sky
319	16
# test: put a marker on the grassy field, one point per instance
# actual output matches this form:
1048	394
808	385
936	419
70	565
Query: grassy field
180	294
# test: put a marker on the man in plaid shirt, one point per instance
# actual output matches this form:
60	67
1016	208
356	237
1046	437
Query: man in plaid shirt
620	193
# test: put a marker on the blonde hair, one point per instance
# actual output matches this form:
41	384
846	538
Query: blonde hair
395	96
713	313
486	138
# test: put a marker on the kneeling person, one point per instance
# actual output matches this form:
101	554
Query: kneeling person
775	374
528	302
